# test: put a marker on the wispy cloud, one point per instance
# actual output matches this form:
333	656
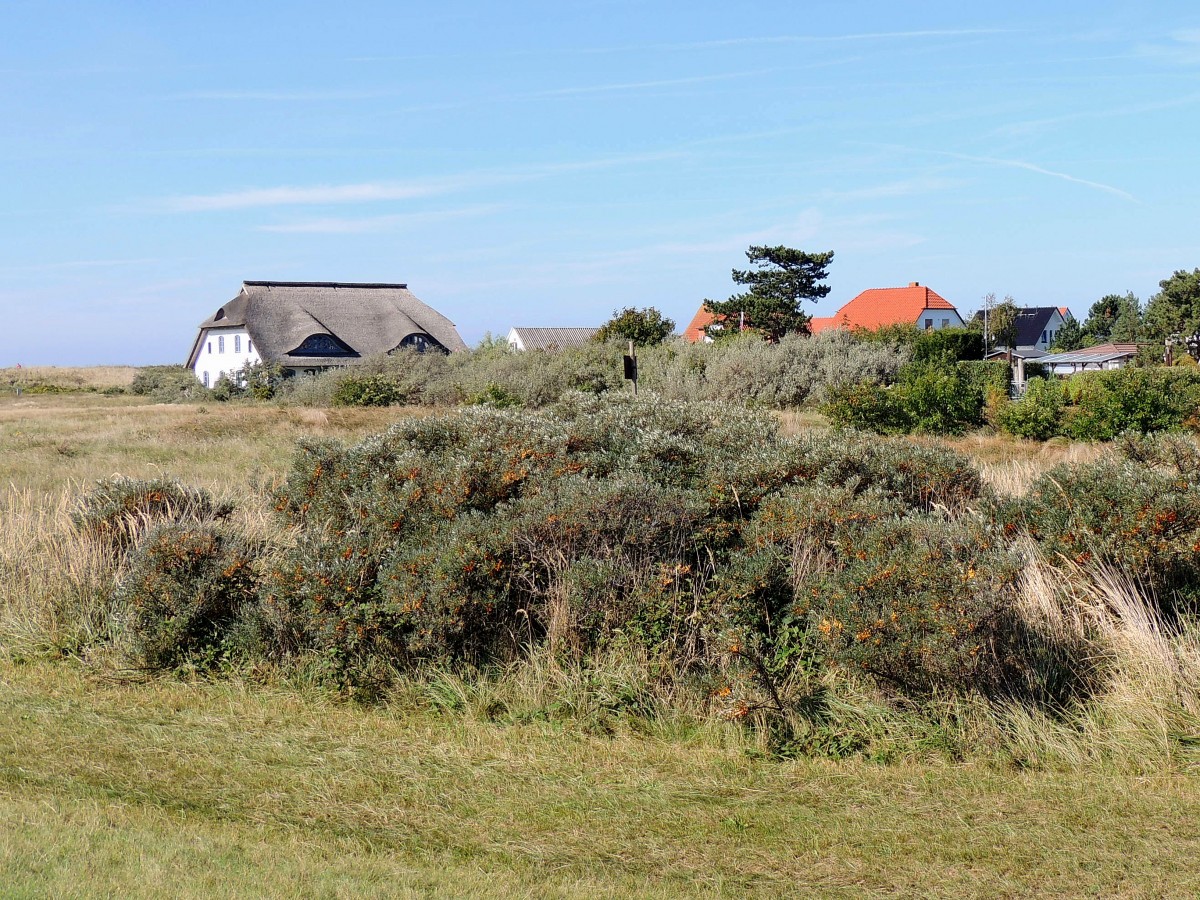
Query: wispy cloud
644	85
250	198
835	38
1029	125
373	224
1182	48
745	40
373	192
74	264
907	187
1016	164
287	96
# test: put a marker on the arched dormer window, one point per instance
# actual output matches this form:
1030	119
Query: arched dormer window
220	314
420	342
322	344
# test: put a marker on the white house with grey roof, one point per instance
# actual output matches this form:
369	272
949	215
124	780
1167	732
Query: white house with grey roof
307	326
550	338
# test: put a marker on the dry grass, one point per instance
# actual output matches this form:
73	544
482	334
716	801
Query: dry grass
50	441
1146	715
70	378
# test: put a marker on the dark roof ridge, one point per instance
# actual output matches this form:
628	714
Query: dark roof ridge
328	284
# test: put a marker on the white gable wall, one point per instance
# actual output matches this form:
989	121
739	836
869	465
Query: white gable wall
222	351
1046	338
937	319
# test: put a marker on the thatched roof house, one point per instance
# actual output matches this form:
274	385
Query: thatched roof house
311	325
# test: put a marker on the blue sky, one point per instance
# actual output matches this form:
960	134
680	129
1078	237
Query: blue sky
536	163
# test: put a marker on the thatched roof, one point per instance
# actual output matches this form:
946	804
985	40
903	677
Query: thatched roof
363	320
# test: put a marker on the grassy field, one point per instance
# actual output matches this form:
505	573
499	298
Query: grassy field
110	789
112	785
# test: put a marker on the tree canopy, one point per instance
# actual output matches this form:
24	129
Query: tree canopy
1114	317
1175	309
779	280
645	327
1069	336
1001	322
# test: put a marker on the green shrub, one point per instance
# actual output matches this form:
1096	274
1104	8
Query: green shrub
257	381
947	346
940	400
1105	404
464	538
920	605
1142	521
1037	414
368	390
931	398
497	396
168	384
185	590
867	407
118	511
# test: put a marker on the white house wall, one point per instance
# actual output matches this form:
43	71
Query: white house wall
937	319
1046	338
223	350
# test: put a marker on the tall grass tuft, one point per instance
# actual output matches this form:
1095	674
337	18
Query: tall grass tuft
55	580
1144	712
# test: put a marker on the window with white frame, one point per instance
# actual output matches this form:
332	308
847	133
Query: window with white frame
206	379
237	343
221	343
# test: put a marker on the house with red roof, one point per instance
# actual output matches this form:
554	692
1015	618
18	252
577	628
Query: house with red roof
915	305
695	331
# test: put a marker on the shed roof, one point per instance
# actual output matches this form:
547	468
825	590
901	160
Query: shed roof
1099	354
368	318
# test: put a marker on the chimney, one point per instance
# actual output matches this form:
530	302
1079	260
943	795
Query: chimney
914	284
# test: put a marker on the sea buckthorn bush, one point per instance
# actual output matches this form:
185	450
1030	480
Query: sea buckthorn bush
117	511
1140	520
465	538
919	604
185	590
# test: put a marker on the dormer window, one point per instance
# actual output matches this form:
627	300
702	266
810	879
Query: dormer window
420	342
220	314
322	344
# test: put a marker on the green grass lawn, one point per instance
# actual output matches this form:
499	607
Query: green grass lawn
174	789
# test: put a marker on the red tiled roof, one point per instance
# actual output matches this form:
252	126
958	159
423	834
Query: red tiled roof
695	330
877	307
